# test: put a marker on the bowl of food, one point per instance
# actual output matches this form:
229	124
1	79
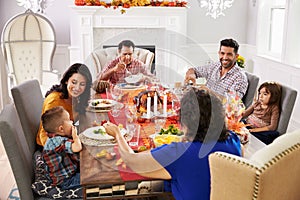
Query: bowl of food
134	78
166	139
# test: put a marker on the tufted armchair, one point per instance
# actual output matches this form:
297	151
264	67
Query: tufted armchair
101	57
28	43
269	174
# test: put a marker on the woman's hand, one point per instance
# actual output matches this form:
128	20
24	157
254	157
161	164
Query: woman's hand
111	129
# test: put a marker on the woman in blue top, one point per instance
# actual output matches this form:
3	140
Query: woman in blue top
185	164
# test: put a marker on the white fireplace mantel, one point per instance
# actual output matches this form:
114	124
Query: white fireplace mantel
92	26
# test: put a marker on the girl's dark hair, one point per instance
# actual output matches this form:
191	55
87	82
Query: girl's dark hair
274	89
62	87
203	115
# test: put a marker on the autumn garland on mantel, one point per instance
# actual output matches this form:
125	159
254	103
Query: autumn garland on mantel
131	3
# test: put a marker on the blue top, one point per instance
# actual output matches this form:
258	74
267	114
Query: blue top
188	165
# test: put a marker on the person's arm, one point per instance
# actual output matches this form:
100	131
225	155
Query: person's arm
141	163
190	75
76	145
248	111
113	67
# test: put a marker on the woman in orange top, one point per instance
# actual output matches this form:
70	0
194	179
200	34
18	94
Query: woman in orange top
72	93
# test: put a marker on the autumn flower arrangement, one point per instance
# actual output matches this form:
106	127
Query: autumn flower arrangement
130	3
240	61
234	108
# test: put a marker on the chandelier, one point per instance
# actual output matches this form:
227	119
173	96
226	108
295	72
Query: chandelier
215	8
35	5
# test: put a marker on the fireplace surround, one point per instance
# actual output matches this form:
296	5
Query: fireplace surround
165	28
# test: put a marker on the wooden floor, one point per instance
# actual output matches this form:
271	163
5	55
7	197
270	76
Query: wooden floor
7	180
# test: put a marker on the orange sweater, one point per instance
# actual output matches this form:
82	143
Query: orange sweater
53	100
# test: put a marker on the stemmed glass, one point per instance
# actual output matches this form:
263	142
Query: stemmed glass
116	93
130	112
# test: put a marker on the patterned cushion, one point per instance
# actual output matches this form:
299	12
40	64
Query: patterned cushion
42	186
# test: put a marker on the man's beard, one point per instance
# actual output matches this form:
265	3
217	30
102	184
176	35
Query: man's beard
228	65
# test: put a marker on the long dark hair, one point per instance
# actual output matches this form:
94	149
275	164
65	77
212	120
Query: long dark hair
203	115
62	87
274	89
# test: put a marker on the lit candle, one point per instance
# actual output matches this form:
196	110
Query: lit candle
155	104
148	106
165	105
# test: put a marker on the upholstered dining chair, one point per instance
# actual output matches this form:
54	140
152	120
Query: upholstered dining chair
18	151
288	99
28	43
28	100
101	57
252	88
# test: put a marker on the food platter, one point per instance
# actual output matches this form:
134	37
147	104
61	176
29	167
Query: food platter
101	103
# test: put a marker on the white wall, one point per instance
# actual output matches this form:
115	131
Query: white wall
239	22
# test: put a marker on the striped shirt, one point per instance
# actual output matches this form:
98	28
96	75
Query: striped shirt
61	162
234	80
135	67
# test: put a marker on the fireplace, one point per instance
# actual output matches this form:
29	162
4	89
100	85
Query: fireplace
162	28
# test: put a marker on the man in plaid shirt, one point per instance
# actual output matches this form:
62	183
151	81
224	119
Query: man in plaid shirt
124	65
225	75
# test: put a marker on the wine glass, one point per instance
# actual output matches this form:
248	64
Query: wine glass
130	112
116	93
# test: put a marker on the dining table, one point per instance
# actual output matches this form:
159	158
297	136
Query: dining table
103	174
109	178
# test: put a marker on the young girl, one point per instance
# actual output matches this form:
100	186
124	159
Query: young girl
263	115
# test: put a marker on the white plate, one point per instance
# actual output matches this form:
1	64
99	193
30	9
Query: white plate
134	78
97	136
129	86
101	103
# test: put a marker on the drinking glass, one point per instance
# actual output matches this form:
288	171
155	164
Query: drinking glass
134	129
116	93
130	112
159	124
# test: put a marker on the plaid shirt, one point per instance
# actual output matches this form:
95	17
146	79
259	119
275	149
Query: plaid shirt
234	80
61	162
135	67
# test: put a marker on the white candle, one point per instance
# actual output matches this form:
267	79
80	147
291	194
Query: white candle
155	104
165	105
148	106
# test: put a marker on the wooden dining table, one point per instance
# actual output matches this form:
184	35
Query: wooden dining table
103	178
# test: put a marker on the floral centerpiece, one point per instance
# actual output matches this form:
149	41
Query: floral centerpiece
240	61
130	3
234	108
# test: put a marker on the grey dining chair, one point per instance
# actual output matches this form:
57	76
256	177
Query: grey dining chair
288	99
18	152
252	88
28	100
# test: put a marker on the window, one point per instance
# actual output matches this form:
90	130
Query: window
276	30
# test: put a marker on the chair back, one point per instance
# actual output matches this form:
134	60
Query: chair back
288	98
28	44
28	100
101	57
17	150
251	90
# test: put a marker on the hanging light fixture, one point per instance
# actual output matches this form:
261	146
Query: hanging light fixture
215	8
35	5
